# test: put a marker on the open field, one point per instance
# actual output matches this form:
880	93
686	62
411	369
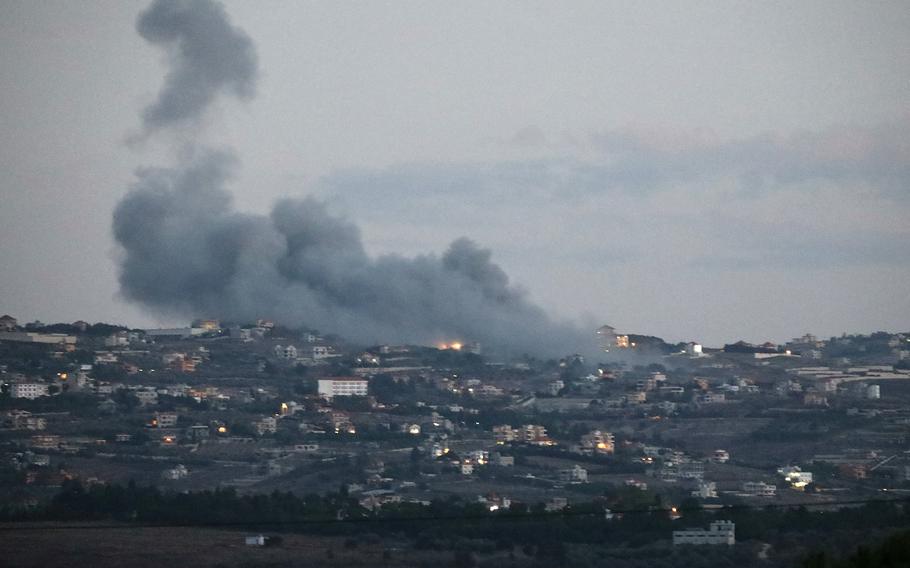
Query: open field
48	546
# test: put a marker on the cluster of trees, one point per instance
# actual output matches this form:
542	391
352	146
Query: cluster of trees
893	552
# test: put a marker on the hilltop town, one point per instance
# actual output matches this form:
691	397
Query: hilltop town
260	408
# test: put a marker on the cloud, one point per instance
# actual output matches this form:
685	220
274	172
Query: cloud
878	155
830	198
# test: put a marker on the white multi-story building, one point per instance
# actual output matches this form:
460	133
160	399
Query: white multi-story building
28	390
576	474
342	386
694	350
718	532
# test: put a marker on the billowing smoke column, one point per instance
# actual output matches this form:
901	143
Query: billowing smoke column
206	55
186	251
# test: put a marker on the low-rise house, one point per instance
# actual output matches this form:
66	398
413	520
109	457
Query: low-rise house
597	442
147	397
45	442
720	456
266	425
555	387
165	420
8	323
105	358
796	477
759	489
285	351
178	472
718	532
254	540
198	432
691	469
23	420
711	398
575	474
706	490
815	399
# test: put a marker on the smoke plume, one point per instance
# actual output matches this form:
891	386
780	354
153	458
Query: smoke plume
187	252
206	55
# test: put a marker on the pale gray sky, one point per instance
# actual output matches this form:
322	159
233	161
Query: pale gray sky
703	170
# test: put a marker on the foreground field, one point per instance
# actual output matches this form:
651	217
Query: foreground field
49	546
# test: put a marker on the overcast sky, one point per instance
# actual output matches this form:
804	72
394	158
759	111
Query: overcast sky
700	171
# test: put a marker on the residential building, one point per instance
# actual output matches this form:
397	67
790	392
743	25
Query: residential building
815	399
285	352
759	489
718	532
165	420
342	386
797	478
257	540
147	397
28	390
555	387
575	474
8	323
23	420
105	358
720	456
534	434
706	490
58	339
691	469
504	434
694	349
178	472
117	339
711	398
503	461
267	425
597	442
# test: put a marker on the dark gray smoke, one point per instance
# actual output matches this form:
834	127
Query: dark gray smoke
187	252
206	54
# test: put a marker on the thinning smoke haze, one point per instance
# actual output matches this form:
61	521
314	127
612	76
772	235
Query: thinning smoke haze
187	252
